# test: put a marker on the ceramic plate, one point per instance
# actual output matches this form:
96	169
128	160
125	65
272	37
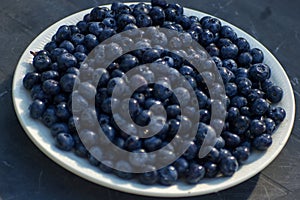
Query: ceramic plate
42	138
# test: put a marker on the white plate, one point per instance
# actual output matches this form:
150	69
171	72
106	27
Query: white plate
42	138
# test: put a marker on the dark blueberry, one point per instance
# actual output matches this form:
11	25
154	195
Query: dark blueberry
106	33
82	26
109	22
241	153
244	85
229	64
260	106
257	55
150	177
49	117
255	94
232	113
173	111
195	173
140	97
228	32
74	29
51	87
238	101
151	55
270	125
59	128
36	109
259	72
246	111
213	50
152	144
206	37
213	24
191	152
211	169
277	114
224	153
241	124
97	14
204	116
62	111
160	3
141	8
262	142
61	97
73	124
95	28
41	62
229	166
65	141
217	61
173	127
177	7
241	73
181	165
242	44
170	14
50	46
90	41
67	82
51	74
161	90
106	105
229	51
133	143
117	85
109	131
125	19
55	53
128	62
184	21
143	20
213	155
257	127
274	94
65	61
231	89
223	42
31	79
92	160
245	59
143	118
63	33
67	45
80	56
157	15
231	139
266	84
167	176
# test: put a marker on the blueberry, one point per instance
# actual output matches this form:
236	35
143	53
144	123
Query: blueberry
266	84
167	176
223	42
228	32
241	153
245	59
106	33
97	14
213	155
244	85
241	73
36	109
211	169
181	165
257	127
138	158
67	45
49	117
51	87
229	166
173	127
143	20
255	94
106	105
141	8
116	84
73	124
173	111
150	177
177	7
31	79
133	143
195	173
109	22
65	141
224	153
277	114
63	33
140	97
184	21
191	152
170	14
67	82
41	62
80	150
55	53
152	144
59	128
238	101
90	41
51	74
128	62
232	114
241	124
204	116
257	55
106	166
270	125
259	72
206	37
161	90
274	94
93	161
262	142
229	51
260	106
231	139
125	19
213	24
62	111
143	118
213	50
80	56
231	89
82	26
65	61
50	46
242	44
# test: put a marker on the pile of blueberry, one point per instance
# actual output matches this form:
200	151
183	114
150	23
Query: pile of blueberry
251	97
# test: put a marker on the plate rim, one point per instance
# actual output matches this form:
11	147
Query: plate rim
144	190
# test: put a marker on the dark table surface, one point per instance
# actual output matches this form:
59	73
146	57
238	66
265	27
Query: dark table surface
26	173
